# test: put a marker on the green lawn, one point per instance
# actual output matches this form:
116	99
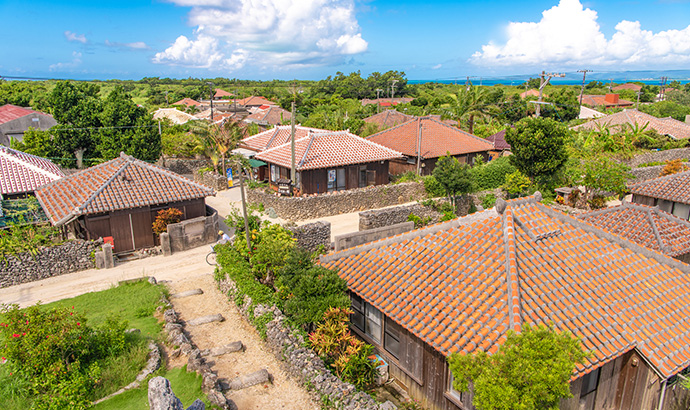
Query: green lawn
135	303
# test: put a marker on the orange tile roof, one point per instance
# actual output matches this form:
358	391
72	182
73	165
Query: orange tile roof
9	112
437	139
255	100
188	102
389	118
328	149
277	135
665	126
460	285
674	187
270	116
595	100
387	102
221	93
647	226
121	183
21	172
628	86
531	93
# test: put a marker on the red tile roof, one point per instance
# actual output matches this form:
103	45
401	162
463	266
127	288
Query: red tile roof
531	93
278	135
387	102
389	118
665	126
628	86
461	285
221	93
437	139
121	183
599	100
21	172
188	102
674	187
326	150
272	115
9	112
499	141
647	226
255	101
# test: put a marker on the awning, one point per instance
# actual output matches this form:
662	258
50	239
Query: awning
255	163
247	153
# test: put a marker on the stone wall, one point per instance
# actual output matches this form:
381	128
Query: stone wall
212	179
190	234
658	156
392	216
183	166
643	174
52	261
313	235
301	362
318	206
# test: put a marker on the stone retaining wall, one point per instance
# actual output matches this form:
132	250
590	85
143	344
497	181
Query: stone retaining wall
183	166
301	362
340	202
190	234
212	179
643	174
392	216
312	236
658	156
51	261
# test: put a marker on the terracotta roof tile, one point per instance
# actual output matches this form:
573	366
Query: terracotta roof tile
389	118
630	117
612	294
499	140
328	149
121	183
9	112
437	139
674	187
276	136
269	116
21	172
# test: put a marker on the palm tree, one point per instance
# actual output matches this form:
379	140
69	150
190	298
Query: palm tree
469	103
225	138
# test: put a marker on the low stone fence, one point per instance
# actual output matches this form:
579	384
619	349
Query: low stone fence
378	218
312	236
301	362
183	166
658	156
643	174
51	261
212	179
190	234
339	202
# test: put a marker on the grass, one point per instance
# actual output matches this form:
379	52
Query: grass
187	387
134	302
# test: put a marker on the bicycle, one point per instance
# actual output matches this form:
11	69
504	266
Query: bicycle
211	258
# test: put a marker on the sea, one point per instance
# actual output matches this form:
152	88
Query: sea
572	78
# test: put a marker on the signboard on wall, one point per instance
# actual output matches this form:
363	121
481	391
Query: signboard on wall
228	173
284	186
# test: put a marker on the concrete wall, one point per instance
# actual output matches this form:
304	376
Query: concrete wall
190	234
339	202
353	239
57	260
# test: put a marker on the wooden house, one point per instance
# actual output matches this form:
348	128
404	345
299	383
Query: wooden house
329	161
120	199
671	193
14	121
460	286
631	118
426	139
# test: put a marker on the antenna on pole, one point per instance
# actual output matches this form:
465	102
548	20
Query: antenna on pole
544	79
582	90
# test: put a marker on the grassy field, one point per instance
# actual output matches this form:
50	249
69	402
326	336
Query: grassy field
135	303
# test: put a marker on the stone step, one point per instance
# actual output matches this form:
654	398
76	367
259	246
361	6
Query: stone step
221	350
247	380
205	319
184	294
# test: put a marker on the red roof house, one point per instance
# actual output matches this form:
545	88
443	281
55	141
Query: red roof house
275	136
387	102
222	94
389	118
330	161
631	117
254	101
14	121
606	101
435	139
269	116
628	86
120	198
22	173
188	102
460	286
499	141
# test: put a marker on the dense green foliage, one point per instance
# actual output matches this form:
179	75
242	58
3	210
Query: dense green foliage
454	177
538	146
20	237
531	370
432	187
492	174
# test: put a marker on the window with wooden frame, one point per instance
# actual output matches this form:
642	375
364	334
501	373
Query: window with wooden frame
366	318
456	395
405	347
590	381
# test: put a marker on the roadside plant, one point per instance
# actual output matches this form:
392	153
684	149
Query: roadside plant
516	184
164	218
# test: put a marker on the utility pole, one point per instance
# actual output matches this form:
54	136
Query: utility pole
637	104
293	169
244	207
393	89
662	89
582	90
210	93
544	80
419	145
166	98
378	102
610	85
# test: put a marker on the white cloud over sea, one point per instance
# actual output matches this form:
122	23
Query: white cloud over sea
568	35
230	34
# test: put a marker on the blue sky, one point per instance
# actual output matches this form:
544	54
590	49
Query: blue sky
310	39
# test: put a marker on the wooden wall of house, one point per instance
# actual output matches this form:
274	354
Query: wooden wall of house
625	383
643	200
401	166
132	228
316	180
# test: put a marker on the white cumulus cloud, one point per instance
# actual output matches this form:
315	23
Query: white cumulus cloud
76	62
70	36
568	35
266	33
136	45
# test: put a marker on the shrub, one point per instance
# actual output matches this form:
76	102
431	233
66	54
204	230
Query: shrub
164	218
418	221
409	176
433	188
492	174
673	166
235	220
573	197
597	202
339	349
57	354
488	200
516	184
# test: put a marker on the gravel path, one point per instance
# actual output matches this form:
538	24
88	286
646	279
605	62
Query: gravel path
283	393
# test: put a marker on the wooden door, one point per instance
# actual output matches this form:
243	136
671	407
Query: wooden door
121	230
97	226
142	230
628	387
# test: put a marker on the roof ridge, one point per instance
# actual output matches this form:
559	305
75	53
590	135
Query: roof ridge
661	178
311	136
15	158
393	127
427	230
168	173
273	137
511	271
655	229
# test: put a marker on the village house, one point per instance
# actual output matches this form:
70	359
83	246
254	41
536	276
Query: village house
531	93
174	115
188	102
21	173
268	117
646	226
253	102
427	139
15	121
221	94
628	86
329	161
460	286
605	101
120	198
670	193
388	118
634	118
387	102
501	147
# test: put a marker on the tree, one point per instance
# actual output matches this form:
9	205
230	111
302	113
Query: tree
516	184
467	104
453	176
603	174
565	105
531	370
538	146
224	138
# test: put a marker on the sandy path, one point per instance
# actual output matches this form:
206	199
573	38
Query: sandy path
284	393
